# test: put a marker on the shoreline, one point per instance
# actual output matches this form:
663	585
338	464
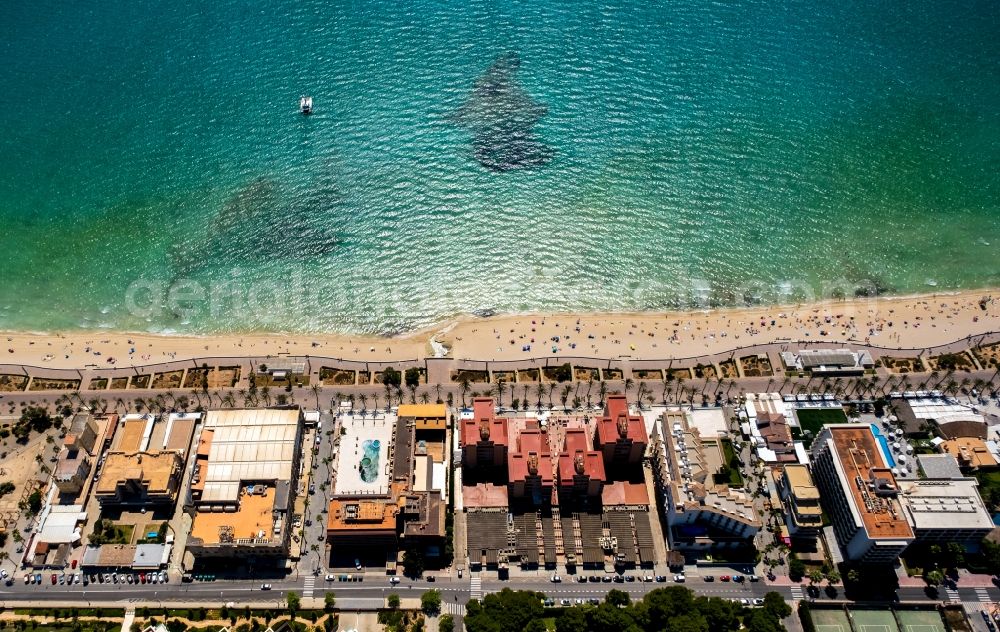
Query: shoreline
909	322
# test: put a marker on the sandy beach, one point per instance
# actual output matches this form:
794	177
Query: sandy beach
903	322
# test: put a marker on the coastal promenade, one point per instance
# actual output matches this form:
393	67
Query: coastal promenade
308	371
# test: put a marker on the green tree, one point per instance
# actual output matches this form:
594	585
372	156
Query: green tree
35	502
535	625
934	577
796	569
430	602
391	377
412	377
815	576
775	604
955	554
413	563
563	373
293	603
393	601
572	620
446	624
329	602
617	597
5	488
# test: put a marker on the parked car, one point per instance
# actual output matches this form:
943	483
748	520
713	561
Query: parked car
724	578
265	586
753	578
581	579
606	579
54	579
738	578
630	578
594	579
565	602
38	578
393	580
679	578
618	579
594	601
647	578
27	579
555	579
431	578
661	578
709	578
758	601
62	580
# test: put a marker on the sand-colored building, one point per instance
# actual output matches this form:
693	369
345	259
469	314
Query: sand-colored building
139	479
701	514
803	512
972	453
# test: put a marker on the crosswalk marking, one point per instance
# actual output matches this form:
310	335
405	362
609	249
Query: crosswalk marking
310	584
952	594
797	594
983	595
476	587
454	608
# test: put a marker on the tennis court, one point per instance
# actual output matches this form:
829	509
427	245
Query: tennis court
874	621
830	620
920	621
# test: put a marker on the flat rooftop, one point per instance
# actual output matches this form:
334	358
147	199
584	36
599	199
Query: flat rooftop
362	515
946	504
248	445
801	482
358	431
861	460
253	516
130	438
154	470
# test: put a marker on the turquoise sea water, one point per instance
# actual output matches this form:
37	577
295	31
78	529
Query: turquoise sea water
468	155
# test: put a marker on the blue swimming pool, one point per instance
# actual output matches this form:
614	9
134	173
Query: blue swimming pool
886	452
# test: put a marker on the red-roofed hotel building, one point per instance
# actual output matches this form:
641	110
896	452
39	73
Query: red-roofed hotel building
620	437
484	437
581	469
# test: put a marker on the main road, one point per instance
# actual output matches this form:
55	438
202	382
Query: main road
370	592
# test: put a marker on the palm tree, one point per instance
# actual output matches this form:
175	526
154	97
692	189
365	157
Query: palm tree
539	391
228	400
463	385
602	391
265	392
425	397
629	383
640	394
564	396
498	391
437	391
364	402
315	389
